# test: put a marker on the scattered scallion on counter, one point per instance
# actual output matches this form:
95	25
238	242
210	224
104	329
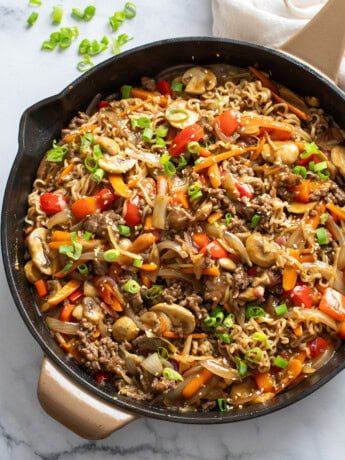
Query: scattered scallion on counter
85	15
119	41
130	10
35	2
57	14
32	18
85	64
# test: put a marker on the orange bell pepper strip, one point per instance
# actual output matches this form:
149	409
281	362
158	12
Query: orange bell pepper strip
291	373
59	235
313	222
41	288
259	148
151	267
200	239
340	212
116	306
341	330
80	132
120	188
298	331
196	383
148	223
66	312
215	217
264	382
302	191
214	159
214	176
333	304
142	93
84	207
64	292
290	272
180	197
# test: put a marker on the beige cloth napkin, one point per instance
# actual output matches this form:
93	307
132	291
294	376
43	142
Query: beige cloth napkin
268	22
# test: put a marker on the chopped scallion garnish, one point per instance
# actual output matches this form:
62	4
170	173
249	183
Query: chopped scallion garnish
279	361
182	162
32	18
57	14
147	134
82	269
57	153
323	218
137	263
163	353
126	91
241	367
229	320
210	322
98	175
144	122
222	406
154	292
300	170
255	312
281	309
161	142
132	287
67	267
228	218
162	131
255	221
193	147
91	164
111	255
321	236
87	235
310	149
177	119
124	230
254	355
320	166
259	336
177	86
171	374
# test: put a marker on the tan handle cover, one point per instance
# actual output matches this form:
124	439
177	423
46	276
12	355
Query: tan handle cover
321	43
67	402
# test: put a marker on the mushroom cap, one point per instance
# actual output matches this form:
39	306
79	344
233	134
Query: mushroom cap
338	158
261	250
109	145
116	165
198	80
125	329
39	250
179	316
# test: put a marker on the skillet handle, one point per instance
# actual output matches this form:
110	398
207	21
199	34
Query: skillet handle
321	42
82	412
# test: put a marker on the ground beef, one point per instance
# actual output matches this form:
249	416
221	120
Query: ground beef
193	302
173	293
135	301
163	385
144	344
99	267
97	223
240	279
178	218
288	179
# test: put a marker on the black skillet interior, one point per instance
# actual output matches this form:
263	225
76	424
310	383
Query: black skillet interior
41	123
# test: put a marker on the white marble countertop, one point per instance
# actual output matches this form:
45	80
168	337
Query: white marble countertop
312	429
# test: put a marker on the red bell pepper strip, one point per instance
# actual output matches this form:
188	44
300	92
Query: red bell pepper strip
102	104
66	312
276	369
227	122
190	133
301	295
163	87
333	304
215	249
317	346
105	198
132	214
76	296
245	189
103	377
51	203
302	192
306	161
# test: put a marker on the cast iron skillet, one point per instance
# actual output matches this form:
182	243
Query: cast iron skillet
43	121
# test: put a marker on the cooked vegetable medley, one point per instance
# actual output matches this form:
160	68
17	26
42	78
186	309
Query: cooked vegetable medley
186	238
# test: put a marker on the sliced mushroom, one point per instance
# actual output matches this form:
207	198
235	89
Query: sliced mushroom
179	316
338	158
203	211
107	144
300	208
116	165
228	182
261	250
91	310
125	329
40	252
179	116
198	80
281	153
31	272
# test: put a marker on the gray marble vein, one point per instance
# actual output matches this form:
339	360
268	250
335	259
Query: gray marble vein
309	430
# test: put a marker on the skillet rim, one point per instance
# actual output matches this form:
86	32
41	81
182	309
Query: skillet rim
130	405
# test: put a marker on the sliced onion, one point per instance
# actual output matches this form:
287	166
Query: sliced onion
238	246
314	315
173	246
152	159
64	327
323	358
160	211
327	271
217	368
171	274
153	364
336	230
60	218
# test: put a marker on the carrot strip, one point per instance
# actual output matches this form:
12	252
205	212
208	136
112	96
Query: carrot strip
214	175
341	330
180	197
256	154
291	107
301	356
62	274
59	235
142	93
264	382
120	188
290	272
64	292
298	331
64	172
204	152
148	223
145	279
194	385
82	130
214	217
116	306
87	244
135	107
212	271
173	335
214	159
314	221
41	288
151	267
340	212
264	80
307	258
57	244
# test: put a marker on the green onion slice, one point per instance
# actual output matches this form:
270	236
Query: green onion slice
255	312
144	122
147	134
228	218
229	320
85	64
35	2
241	367
67	267
320	166
169	168
132	287
57	153
254	355
91	163
171	374
300	170
87	236
82	269
124	230
321	236
182	162
126	91
162	131
98	175
210	322
323	218
281	309
279	361
309	150
255	221
137	263
259	336
154	292
161	142
177	86
222	406
180	118
111	255
163	353
193	147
